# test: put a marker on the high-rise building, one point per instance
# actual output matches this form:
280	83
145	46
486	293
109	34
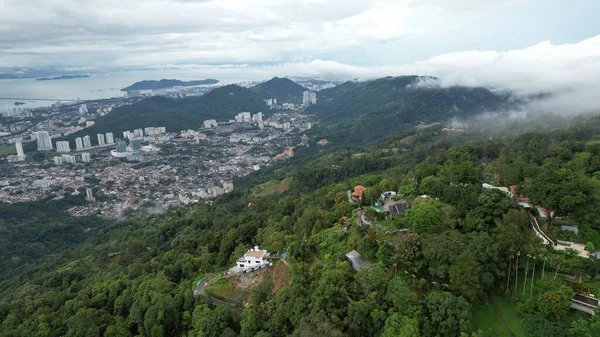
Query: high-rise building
78	143
20	152
63	146
101	139
86	157
83	109
136	145
138	133
121	145
87	142
309	97
110	139
68	159
57	160
89	195
44	142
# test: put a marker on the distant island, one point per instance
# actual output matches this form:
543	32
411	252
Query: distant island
19	103
165	84
63	77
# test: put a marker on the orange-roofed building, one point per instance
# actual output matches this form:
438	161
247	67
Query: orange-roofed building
357	195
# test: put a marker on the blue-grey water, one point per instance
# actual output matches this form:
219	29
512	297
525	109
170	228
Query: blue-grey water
97	86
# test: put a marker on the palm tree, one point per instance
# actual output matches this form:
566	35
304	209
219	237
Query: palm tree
558	266
510	258
544	267
532	276
526	270
517	271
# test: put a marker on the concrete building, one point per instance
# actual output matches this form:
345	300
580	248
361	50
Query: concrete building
210	123
357	261
136	145
89	123
101	140
20	152
68	159
83	109
110	139
308	98
253	259
44	142
121	146
138	133
89	195
78	143
155	131
57	160
87	142
63	146
86	157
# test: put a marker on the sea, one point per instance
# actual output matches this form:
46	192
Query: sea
99	85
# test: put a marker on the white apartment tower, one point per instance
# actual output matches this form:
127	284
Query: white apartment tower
20	152
44	142
87	142
101	139
78	143
86	157
63	146
68	159
83	109
89	195
110	139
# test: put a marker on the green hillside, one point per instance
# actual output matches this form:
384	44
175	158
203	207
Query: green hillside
283	89
362	112
432	268
178	114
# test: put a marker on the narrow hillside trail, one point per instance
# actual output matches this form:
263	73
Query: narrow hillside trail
538	231
500	317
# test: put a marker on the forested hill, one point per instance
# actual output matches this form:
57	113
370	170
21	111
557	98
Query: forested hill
461	261
362	112
179	114
165	84
283	89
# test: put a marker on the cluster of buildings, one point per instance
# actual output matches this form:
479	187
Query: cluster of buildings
309	98
195	165
17	111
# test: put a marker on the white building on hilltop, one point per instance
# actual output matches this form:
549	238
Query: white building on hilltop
252	260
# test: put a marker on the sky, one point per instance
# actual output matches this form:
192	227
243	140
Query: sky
137	33
529	46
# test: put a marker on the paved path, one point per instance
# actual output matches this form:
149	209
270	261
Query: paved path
538	231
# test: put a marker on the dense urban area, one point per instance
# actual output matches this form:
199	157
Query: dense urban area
143	171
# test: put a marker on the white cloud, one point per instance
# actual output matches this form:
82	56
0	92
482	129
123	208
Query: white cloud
138	32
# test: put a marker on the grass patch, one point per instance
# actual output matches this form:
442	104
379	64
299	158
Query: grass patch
8	149
222	288
508	310
271	187
484	318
